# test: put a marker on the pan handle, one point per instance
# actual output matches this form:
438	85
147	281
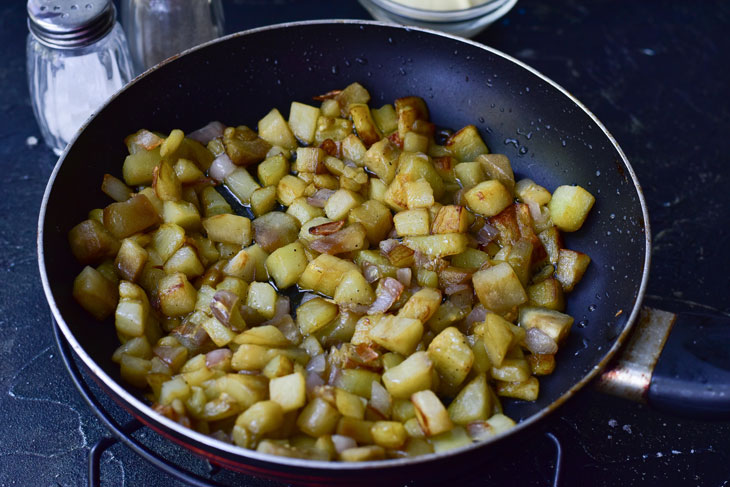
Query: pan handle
685	372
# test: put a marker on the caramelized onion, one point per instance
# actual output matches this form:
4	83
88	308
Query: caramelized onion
289	329
537	341
380	399
479	430
217	357
317	364
456	288
404	276
486	234
327	96
387	293
366	352
371	272
283	308
343	443
221	168
346	240
312	382
320	197
327	228
477	315
388	245
222	306
540	215
208	132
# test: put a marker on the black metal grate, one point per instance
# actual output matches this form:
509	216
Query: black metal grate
123	433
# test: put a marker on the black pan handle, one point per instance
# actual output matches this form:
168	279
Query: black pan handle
685	372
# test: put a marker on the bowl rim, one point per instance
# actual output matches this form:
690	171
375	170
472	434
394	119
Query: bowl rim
442	16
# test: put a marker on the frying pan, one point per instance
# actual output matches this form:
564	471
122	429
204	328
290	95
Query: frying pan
547	134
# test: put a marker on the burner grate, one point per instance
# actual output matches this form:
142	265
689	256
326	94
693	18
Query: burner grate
123	433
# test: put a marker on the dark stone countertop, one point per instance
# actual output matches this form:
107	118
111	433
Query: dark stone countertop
654	73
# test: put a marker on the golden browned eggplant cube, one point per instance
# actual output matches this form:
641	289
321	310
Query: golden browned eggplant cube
129	217
488	198
412	375
451	355
569	207
431	413
286	264
177	296
303	121
498	288
571	267
95	293
92	243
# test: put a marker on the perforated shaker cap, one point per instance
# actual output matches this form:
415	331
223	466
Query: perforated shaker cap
67	24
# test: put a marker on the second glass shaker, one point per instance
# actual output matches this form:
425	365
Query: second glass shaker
77	58
158	29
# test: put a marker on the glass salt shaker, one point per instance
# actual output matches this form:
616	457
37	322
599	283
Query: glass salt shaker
158	29
77	58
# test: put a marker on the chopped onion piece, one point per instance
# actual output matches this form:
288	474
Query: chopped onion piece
333	376
207	133
327	228
537	341
217	357
387	293
486	234
191	336
540	215
317	364
221	168
307	297
312	381
283	308
380	399
371	272
320	197
477	315
387	245
479	430
366	352
404	275
343	443
222	306
288	328
456	288
345	240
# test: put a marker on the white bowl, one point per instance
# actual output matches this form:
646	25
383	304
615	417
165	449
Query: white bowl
466	22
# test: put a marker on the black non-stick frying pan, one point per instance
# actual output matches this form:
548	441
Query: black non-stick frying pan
548	135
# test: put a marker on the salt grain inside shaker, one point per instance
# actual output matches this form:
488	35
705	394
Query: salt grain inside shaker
77	58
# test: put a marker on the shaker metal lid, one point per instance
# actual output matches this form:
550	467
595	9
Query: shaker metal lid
68	24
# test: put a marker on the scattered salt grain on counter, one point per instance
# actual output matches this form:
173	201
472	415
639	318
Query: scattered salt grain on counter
612	423
31	141
627	428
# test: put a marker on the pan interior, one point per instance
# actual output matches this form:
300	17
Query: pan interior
547	137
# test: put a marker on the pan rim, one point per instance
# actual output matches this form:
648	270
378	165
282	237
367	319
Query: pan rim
215	445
